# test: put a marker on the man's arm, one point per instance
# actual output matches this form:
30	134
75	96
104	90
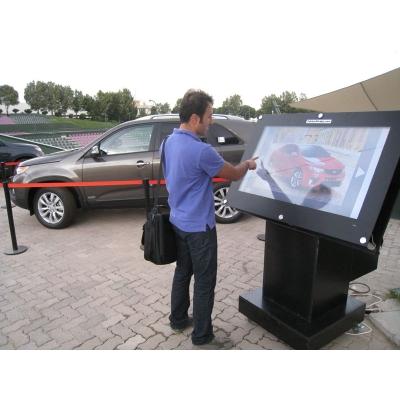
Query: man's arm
231	173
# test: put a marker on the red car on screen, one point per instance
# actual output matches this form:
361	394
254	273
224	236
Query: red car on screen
306	165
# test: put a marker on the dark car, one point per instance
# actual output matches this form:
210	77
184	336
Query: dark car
17	152
129	151
307	165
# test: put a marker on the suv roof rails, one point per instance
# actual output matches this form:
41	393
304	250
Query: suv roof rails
166	116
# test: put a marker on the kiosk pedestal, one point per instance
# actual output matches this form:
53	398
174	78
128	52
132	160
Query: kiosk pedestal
304	299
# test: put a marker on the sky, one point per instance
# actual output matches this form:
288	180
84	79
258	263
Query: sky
160	49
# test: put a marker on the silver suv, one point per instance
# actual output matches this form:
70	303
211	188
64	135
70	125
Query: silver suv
126	152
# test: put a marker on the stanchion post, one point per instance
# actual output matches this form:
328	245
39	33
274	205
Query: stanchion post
4	178
15	249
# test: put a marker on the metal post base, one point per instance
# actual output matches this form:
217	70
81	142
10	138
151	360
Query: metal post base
261	237
296	331
10	251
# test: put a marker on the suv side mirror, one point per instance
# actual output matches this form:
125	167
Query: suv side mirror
95	151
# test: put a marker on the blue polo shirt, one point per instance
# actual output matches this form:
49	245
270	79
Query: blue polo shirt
189	166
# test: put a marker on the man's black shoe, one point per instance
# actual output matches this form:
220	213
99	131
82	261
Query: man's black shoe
189	323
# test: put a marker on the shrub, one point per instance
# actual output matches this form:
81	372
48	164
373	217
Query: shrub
58	113
45	112
94	118
70	115
28	111
82	116
15	110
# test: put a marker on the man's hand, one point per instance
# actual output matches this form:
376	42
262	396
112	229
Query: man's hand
252	163
232	173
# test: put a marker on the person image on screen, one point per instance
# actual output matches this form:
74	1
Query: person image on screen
189	166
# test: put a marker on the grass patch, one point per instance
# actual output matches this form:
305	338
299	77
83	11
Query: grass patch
83	124
394	294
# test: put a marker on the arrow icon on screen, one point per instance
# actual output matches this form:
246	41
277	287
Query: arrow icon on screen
359	172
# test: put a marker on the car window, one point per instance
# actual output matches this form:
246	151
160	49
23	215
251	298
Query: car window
222	135
168	127
290	149
132	139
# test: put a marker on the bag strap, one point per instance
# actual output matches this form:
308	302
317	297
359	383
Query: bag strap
159	172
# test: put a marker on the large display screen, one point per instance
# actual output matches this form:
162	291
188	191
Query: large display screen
327	173
326	168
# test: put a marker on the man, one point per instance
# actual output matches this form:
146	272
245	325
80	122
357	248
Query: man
189	166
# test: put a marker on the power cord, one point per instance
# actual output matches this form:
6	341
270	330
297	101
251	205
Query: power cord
368	309
354	289
359	326
357	293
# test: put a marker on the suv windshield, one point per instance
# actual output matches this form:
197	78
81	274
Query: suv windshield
314	151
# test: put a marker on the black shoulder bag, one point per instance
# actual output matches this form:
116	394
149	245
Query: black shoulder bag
158	235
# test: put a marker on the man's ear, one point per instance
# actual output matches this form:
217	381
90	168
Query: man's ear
195	119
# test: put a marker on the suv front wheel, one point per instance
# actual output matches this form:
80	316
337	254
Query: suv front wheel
224	214
54	208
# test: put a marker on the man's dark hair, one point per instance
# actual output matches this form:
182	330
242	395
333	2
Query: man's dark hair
194	102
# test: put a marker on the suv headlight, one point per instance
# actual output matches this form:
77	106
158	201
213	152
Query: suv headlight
315	169
21	170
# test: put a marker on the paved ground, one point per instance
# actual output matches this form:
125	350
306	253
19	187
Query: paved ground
88	286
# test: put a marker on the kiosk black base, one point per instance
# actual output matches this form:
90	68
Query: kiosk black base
296	331
304	299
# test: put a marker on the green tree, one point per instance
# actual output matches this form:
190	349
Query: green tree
64	96
102	104
266	105
49	96
89	105
163	108
115	106
247	112
32	97
128	110
8	96
142	113
108	105
153	110
282	102
175	110
77	101
232	105
217	110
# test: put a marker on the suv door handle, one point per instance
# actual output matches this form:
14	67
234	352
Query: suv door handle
141	164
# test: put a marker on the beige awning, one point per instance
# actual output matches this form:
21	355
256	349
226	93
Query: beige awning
381	93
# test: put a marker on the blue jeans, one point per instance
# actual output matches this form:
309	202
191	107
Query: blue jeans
197	255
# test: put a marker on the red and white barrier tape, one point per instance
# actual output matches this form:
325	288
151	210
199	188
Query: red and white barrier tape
76	184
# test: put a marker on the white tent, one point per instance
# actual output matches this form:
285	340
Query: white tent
381	93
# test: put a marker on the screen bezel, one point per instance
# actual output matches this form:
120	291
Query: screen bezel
333	225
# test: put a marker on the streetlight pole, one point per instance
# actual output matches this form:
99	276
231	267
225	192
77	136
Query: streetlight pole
155	105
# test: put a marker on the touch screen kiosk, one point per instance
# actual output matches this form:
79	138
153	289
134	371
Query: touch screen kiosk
326	185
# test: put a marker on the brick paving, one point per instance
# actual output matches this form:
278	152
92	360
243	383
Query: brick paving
88	286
